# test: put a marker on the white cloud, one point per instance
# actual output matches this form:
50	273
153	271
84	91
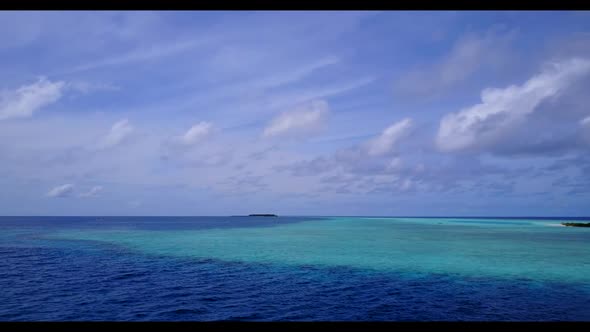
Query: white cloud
28	99
197	133
368	159
120	131
61	191
92	192
502	109
303	119
585	122
385	142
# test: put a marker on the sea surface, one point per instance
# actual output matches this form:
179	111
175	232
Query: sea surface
293	269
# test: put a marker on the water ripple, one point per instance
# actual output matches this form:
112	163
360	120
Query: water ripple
76	284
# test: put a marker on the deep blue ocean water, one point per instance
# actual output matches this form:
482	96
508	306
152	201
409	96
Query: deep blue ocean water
294	269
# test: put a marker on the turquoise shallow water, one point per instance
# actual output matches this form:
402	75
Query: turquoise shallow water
533	249
292	268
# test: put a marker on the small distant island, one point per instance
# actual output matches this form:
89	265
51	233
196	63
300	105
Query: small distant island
262	215
576	224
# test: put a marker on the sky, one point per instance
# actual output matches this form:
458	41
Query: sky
297	113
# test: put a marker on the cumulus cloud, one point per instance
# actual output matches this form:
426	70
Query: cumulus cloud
61	191
385	142
302	120
119	132
501	110
398	168
370	157
92	192
27	99
196	133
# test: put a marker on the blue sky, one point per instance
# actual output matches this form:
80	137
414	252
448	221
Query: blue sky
295	113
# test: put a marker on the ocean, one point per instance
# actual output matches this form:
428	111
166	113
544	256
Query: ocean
293	269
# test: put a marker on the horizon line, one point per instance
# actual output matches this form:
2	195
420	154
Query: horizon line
288	215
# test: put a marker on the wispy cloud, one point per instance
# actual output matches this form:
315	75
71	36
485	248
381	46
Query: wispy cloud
470	53
94	191
286	99
389	137
119	132
295	74
196	133
27	99
302	120
154	52
267	88
61	191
